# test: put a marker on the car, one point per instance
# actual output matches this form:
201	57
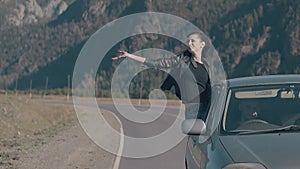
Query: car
252	123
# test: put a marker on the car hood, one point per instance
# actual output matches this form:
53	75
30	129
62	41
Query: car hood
272	150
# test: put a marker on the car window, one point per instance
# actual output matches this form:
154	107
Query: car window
261	108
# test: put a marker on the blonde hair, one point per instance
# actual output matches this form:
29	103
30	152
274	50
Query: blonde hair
201	35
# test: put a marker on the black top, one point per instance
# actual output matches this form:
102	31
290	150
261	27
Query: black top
194	83
200	75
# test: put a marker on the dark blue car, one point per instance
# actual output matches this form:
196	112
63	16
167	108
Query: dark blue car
253	123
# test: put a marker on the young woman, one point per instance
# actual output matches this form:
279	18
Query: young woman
189	74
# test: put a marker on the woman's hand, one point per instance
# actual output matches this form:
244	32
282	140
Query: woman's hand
123	54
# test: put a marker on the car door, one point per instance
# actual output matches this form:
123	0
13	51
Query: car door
196	154
198	146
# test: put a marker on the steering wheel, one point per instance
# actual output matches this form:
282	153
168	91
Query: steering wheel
255	121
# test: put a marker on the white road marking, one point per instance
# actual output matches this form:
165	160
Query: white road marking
121	147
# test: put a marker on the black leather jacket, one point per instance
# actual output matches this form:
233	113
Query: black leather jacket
178	65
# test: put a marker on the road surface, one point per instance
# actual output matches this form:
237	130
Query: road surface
174	158
171	159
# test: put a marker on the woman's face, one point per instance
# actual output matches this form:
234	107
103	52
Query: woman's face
195	43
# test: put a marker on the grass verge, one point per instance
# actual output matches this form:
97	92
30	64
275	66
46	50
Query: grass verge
27	123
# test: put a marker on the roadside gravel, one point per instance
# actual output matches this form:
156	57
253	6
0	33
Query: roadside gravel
69	149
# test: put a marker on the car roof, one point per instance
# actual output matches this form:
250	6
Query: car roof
264	80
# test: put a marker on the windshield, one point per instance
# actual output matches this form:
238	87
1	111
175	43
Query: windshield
262	108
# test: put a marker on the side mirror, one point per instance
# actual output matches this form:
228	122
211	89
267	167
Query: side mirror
193	127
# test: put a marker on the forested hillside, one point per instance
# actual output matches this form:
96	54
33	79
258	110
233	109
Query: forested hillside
253	37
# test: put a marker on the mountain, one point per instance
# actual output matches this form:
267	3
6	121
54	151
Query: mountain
24	12
42	38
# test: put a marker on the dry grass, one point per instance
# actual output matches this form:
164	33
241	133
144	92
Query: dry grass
21	116
27	123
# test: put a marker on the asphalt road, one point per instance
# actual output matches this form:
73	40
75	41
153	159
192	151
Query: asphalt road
171	159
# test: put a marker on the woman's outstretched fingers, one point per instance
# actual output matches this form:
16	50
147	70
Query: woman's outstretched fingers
116	58
122	55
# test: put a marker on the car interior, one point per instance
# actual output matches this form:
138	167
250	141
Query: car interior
265	110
